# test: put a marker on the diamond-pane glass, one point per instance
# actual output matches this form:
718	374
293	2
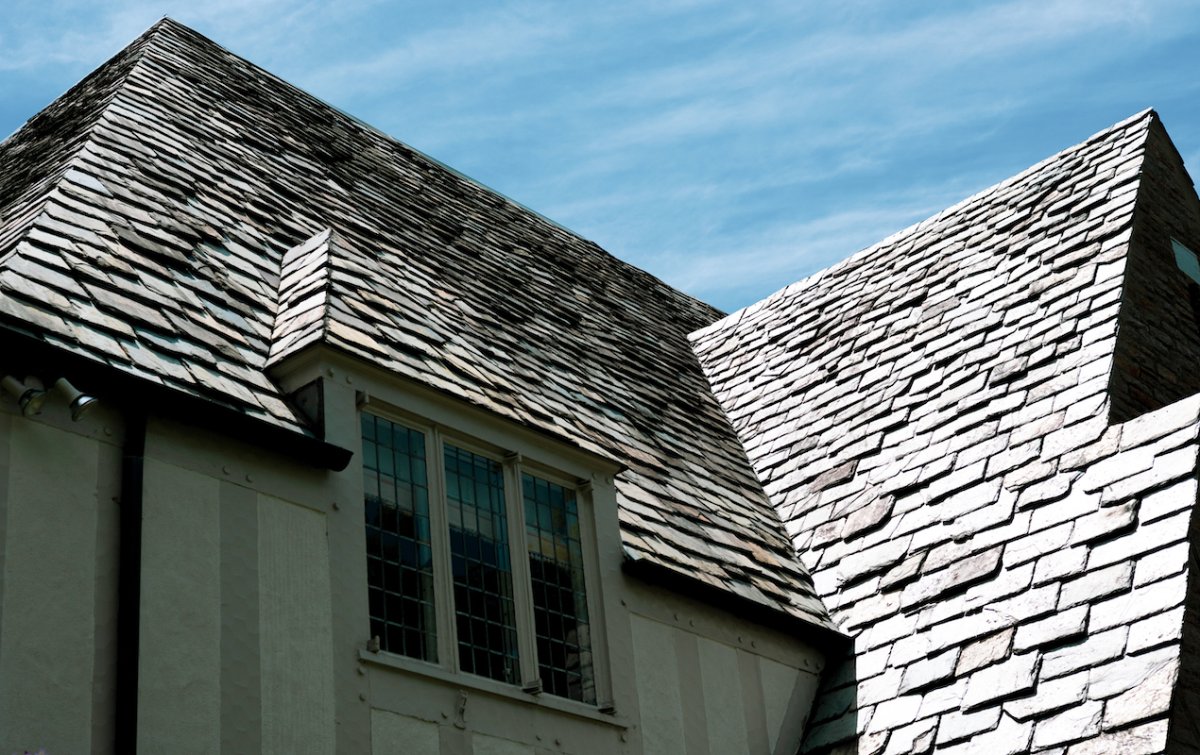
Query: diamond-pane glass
560	612
483	593
399	556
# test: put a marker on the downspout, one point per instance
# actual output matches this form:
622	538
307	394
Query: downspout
129	583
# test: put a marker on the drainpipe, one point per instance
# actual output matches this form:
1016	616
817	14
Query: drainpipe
129	583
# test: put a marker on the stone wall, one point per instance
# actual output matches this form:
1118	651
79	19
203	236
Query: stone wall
1158	346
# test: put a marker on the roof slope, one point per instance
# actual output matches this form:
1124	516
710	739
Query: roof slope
164	250
931	418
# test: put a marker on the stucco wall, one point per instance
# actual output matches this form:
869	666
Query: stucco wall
236	649
58	538
707	683
254	630
703	683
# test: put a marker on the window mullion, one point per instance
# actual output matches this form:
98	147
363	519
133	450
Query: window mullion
443	579
522	588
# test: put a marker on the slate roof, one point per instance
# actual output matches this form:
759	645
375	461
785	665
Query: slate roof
977	434
191	220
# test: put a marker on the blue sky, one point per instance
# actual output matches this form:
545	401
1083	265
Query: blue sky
730	148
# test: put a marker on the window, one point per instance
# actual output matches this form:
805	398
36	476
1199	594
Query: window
1187	260
475	561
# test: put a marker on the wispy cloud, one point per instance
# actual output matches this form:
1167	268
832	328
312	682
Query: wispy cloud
491	40
726	146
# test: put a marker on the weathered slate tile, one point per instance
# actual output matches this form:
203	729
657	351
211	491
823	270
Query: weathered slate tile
1075	723
1060	627
1140	431
1096	649
1159	564
1149	698
984	652
1058	564
902	573
1146	739
953	578
1096	585
1039	545
1124	465
1131	671
956	726
1141	602
896	712
1012	677
1145	539
915	738
1051	695
1010	737
1156	630
929	672
1104	524
1167	468
868	517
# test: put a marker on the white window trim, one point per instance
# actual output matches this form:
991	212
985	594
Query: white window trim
447	668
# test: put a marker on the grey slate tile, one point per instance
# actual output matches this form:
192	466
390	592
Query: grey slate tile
996	346
184	184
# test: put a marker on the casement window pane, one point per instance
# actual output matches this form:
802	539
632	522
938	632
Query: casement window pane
483	593
399	556
559	600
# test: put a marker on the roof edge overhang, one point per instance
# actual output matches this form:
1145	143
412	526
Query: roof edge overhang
123	389
804	628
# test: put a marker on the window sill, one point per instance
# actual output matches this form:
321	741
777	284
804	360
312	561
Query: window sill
489	686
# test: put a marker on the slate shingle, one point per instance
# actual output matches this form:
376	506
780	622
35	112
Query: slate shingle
1013	340
170	196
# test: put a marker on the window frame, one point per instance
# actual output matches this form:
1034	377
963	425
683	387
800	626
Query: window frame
544	466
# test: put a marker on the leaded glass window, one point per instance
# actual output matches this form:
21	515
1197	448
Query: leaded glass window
559	601
399	556
483	592
441	567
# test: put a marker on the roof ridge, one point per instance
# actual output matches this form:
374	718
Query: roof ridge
1149	115
168	24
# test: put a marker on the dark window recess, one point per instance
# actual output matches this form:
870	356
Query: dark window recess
1187	260
560	612
481	565
399	556
400	562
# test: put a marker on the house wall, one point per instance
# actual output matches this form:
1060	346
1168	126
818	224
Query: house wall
1158	343
703	683
254	631
58	545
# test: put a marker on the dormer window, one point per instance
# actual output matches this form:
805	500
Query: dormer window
475	560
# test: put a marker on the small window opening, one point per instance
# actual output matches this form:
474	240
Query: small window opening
1187	260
